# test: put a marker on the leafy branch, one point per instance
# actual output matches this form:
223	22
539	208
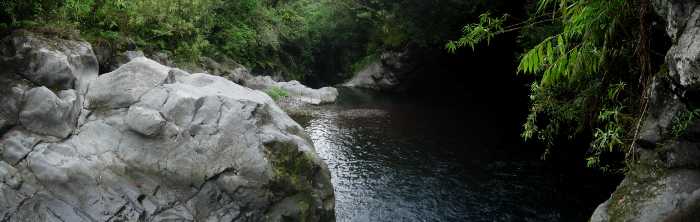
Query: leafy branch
581	71
473	34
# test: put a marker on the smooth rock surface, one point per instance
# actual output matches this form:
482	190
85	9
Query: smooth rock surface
145	121
124	86
309	95
299	94
297	91
152	143
49	114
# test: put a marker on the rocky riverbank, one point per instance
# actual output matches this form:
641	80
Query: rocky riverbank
664	181
297	94
145	142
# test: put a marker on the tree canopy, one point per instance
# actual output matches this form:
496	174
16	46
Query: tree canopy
296	38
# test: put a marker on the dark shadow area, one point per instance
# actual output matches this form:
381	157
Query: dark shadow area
477	100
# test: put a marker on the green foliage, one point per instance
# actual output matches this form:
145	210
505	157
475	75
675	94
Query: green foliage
485	30
276	93
614	124
296	38
587	55
364	62
682	121
268	36
583	65
583	45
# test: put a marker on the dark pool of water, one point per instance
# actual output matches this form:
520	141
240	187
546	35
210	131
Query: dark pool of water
394	159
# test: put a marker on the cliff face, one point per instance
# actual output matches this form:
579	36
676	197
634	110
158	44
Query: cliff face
664	181
145	142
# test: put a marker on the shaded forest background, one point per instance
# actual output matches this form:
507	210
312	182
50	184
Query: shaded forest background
321	41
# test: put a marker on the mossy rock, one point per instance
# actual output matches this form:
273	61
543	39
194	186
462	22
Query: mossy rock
294	185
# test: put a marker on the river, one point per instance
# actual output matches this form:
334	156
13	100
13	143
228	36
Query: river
396	159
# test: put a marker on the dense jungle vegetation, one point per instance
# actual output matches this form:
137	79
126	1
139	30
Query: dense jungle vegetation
294	38
591	69
589	61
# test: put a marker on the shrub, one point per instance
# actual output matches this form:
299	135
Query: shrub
276	93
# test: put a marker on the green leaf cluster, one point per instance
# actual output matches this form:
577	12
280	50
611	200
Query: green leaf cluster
487	28
585	80
277	93
682	121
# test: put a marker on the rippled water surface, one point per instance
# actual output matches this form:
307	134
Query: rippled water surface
394	160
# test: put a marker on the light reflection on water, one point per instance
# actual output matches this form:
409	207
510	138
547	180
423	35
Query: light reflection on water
402	163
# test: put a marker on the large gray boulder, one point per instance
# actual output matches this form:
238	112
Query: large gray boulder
663	183
309	95
54	63
683	57
11	94
649	196
150	143
49	114
298	94
125	86
295	89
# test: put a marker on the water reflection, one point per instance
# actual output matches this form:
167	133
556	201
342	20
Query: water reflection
404	162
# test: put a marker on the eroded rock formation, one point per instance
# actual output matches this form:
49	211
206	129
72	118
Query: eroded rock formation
145	142
664	181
